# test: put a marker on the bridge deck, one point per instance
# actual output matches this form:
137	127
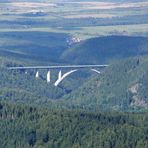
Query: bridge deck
57	67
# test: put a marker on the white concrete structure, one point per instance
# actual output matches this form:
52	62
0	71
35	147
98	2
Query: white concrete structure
60	76
57	67
37	75
48	77
96	71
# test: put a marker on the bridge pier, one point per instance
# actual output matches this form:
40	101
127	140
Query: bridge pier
48	77
37	75
60	76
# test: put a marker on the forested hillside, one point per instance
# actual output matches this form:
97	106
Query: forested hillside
123	85
33	45
16	86
53	48
94	107
21	87
104	49
28	126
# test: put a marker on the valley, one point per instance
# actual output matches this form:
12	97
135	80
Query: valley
107	109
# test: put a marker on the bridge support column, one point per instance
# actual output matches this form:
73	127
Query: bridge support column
37	75
48	77
60	77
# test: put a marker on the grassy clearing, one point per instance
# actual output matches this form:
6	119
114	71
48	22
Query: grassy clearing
88	32
117	29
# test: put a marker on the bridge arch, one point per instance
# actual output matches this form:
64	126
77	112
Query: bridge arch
61	78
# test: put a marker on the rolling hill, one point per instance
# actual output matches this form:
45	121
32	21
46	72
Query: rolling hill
104	49
87	110
121	86
55	48
21	87
33	45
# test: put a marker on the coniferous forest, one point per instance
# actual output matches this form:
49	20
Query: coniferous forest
94	107
28	126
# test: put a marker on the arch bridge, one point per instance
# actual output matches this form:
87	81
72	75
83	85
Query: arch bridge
61	77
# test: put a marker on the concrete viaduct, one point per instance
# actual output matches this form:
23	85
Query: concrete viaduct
61	77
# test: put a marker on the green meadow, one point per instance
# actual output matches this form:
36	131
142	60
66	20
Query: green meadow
80	19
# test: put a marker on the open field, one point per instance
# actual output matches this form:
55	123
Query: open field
88	32
82	19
